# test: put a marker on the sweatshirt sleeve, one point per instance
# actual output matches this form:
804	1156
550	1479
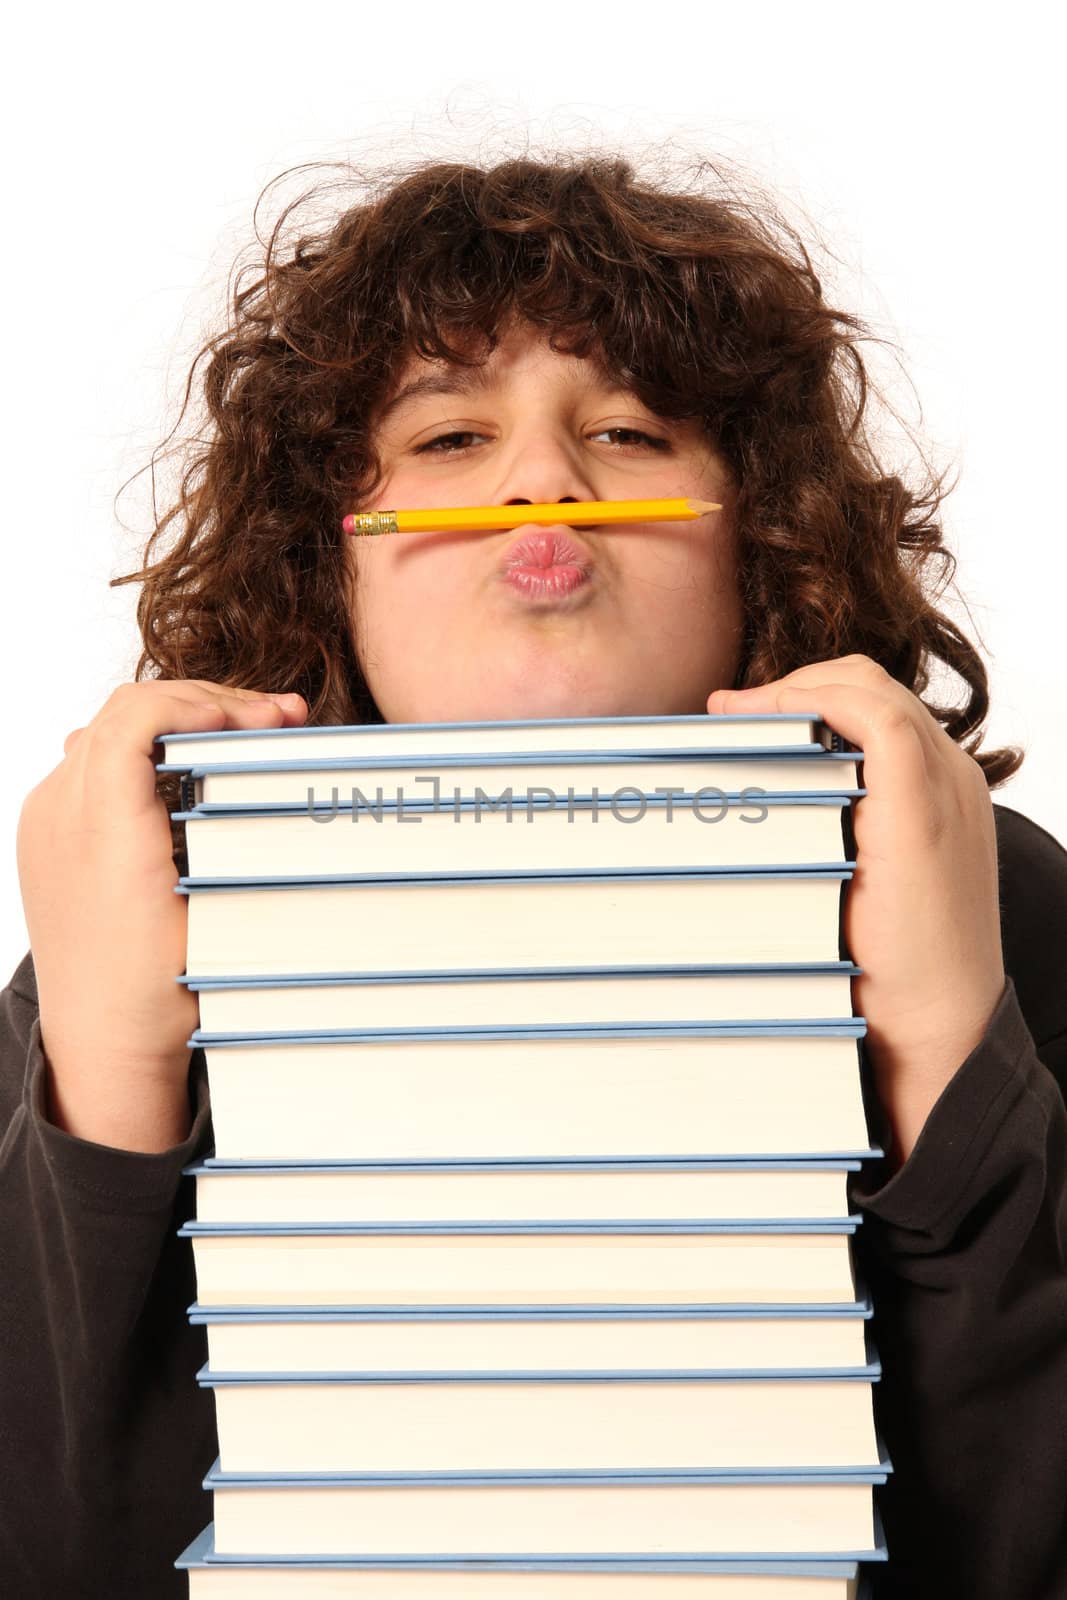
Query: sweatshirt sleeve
964	1252
95	1345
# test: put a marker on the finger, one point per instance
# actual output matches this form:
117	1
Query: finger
150	704
899	771
871	674
860	670
226	691
121	745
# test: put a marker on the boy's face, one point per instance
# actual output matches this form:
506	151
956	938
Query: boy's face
442	633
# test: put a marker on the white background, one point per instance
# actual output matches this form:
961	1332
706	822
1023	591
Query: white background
923	142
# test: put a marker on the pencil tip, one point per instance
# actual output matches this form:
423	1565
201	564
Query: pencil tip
701	506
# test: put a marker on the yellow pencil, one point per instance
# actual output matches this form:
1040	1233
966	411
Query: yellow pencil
568	513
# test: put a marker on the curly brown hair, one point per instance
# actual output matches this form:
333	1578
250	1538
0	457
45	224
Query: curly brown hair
706	305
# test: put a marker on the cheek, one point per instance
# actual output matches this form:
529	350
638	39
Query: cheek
713	552
695	561
371	589
404	594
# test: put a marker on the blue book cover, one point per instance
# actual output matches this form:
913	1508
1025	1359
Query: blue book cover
288	980
842	1565
211	1167
490	758
870	1373
216	1479
333	805
852	1158
842	871
806	1028
820	737
495	758
734	1311
195	1229
655	1163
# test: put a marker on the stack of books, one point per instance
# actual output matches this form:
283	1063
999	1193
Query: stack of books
524	1252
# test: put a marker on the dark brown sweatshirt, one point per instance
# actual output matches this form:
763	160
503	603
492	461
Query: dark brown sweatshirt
105	1434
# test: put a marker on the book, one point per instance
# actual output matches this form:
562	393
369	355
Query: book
682	735
753	1577
791	1089
638	833
363	923
532	1421
452	1263
493	1191
640	1514
256	1007
272	784
421	1338
547	1266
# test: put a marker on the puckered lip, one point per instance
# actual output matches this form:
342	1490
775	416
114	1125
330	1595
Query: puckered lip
545	547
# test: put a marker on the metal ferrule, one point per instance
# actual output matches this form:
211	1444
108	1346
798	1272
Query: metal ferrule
368	522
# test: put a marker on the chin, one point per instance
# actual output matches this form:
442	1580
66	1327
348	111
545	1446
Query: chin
517	685
527	702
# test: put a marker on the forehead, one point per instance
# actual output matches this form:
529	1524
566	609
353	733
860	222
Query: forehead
520	351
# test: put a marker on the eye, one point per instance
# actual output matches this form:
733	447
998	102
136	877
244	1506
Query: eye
450	444
634	433
434	446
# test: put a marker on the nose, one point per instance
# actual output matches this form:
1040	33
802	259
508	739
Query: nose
542	471
544	500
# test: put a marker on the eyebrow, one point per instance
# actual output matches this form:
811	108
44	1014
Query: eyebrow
459	380
472	380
